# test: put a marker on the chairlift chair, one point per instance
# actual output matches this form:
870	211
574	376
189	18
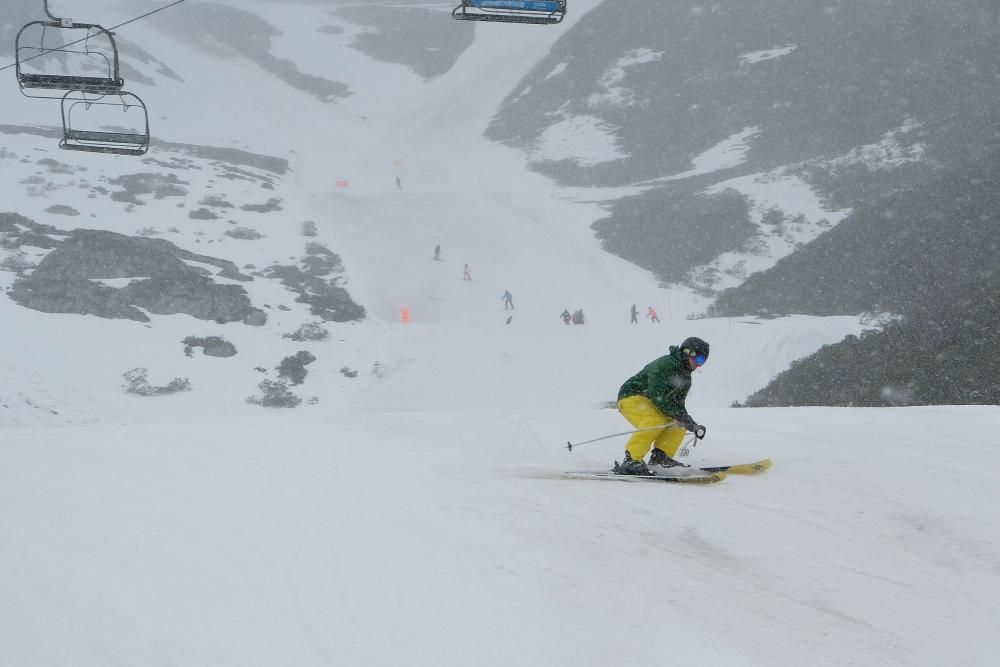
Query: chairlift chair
78	47
95	134
538	12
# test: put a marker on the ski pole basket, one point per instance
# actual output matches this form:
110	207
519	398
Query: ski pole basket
539	12
115	124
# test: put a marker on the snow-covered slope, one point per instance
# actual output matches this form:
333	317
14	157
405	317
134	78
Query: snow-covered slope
439	538
410	515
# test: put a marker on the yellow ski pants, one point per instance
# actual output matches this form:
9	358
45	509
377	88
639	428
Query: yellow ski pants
641	413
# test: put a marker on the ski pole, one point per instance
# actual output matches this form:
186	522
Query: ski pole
571	445
683	450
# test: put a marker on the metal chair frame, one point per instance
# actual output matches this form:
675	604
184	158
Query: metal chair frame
54	85
536	12
101	141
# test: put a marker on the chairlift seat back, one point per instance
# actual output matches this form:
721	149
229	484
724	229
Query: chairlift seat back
32	82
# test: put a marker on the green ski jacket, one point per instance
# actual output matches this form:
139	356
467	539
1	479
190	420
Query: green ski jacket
664	381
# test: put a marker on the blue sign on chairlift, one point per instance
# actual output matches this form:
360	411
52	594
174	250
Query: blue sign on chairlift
539	12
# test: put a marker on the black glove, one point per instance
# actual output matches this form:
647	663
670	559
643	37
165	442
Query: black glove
688	422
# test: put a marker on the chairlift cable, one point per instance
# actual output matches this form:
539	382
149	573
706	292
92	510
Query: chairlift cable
137	18
83	39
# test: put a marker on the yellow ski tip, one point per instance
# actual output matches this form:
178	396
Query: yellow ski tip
750	468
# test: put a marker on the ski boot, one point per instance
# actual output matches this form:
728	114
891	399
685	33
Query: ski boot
664	466
630	466
660	458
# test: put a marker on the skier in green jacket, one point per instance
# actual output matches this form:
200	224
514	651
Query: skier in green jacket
655	396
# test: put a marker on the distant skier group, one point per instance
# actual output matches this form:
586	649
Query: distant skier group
650	313
574	317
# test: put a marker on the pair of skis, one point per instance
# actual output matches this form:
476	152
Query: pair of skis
681	474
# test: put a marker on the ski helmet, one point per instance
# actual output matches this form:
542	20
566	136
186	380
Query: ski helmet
693	346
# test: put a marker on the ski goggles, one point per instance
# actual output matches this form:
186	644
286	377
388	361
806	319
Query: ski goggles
699	359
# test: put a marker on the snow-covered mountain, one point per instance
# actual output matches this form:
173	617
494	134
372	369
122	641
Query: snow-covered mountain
280	210
277	243
859	141
762	197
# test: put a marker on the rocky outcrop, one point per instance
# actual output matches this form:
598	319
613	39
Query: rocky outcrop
77	276
317	284
17	230
212	346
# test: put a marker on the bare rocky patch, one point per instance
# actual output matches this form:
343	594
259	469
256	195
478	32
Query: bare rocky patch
212	346
84	271
61	209
158	185
271	205
317	282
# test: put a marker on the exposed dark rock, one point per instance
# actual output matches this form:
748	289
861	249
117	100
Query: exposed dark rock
249	36
16	261
212	346
273	204
308	331
216	201
256	318
326	299
136	382
274	394
928	253
410	36
293	368
202	214
66	281
36	235
158	185
60	209
51	294
244	233
56	167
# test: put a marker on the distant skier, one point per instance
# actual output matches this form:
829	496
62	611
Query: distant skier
465	273
635	314
655	396
508	301
651	314
566	317
437	252
578	316
399	184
